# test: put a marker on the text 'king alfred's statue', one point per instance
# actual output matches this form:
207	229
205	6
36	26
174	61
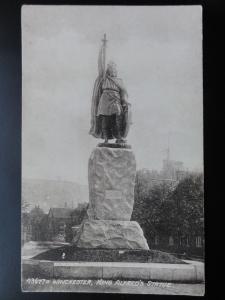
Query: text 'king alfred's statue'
110	111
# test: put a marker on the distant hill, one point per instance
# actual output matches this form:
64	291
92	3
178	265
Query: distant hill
53	193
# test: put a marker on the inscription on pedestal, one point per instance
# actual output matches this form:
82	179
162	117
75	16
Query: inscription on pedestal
113	194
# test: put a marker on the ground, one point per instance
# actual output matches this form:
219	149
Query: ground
34	248
72	253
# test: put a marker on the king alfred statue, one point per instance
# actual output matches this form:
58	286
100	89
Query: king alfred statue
110	110
111	170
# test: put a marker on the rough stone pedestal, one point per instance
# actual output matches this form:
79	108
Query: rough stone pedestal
111	176
105	234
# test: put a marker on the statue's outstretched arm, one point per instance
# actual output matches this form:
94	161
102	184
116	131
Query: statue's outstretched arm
100	62
102	58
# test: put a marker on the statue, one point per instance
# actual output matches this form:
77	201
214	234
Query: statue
111	170
110	110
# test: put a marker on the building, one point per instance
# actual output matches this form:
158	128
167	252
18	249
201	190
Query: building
60	220
79	214
172	169
57	220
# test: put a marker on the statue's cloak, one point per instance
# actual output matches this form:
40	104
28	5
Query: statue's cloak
96	121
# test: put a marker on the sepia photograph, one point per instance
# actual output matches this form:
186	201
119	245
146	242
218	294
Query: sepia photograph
112	149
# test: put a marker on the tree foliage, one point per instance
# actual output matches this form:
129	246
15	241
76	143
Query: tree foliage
24	205
167	209
189	199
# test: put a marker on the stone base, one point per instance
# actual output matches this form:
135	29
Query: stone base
111	177
105	234
190	273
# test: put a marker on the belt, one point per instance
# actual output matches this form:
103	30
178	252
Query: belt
110	90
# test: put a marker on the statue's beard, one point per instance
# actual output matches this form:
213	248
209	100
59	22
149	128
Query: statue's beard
112	73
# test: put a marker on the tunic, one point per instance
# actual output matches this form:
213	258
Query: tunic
112	97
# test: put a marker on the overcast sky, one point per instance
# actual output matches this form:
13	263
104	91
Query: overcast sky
158	51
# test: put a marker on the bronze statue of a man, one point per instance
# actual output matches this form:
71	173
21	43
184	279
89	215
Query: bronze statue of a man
110	111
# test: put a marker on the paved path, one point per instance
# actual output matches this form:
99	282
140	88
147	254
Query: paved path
33	248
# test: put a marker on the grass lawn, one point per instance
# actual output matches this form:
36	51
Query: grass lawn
71	253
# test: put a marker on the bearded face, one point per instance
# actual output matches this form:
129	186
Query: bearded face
111	69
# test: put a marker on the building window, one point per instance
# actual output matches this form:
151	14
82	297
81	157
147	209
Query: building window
171	241
198	240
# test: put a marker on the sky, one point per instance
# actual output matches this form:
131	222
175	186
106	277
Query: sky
158	52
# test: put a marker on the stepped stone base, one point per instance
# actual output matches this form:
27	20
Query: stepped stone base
108	234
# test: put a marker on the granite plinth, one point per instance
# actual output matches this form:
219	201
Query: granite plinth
111	175
107	234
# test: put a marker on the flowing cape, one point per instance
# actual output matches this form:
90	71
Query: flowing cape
127	121
96	129
96	124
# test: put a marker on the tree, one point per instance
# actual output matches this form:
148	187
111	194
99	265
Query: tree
36	216
189	206
24	205
150	194
164	209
